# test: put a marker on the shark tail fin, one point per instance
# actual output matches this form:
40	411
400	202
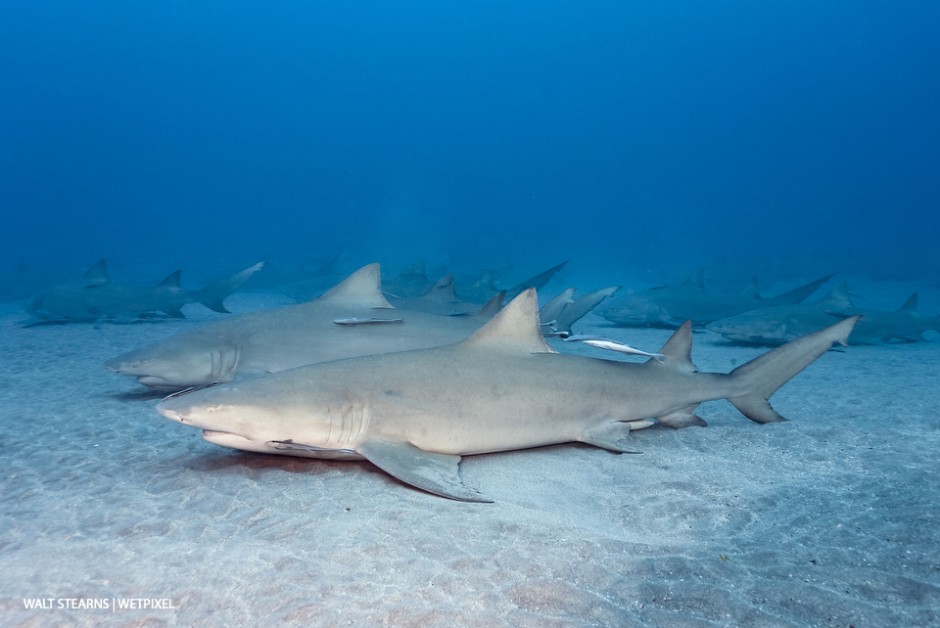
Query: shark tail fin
213	295
762	376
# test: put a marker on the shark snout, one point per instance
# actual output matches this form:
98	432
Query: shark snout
170	412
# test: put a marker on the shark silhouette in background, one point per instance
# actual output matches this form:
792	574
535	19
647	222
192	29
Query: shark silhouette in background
95	298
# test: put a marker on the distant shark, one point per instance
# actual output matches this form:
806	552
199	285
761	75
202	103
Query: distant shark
669	306
353	318
414	414
95	297
559	314
564	310
775	325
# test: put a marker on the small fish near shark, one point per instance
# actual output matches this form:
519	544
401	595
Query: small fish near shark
96	298
669	306
414	414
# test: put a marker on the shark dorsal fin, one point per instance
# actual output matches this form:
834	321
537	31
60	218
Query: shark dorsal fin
96	275
363	288
492	306
839	298
910	305
442	291
514	329
171	281
678	349
552	310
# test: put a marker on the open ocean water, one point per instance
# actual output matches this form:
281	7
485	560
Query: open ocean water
493	140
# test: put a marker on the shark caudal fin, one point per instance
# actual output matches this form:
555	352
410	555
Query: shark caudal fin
213	295
762	376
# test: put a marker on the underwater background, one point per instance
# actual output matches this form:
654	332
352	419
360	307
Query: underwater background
782	140
205	135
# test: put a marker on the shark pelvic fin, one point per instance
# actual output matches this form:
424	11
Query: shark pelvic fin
514	329
431	472
609	436
363	288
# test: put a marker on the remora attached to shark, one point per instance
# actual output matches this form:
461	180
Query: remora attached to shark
414	414
351	319
669	306
95	297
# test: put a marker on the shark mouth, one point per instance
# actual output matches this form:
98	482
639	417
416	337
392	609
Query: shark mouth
234	441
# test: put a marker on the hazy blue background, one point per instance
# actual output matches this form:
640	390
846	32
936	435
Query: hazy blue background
196	132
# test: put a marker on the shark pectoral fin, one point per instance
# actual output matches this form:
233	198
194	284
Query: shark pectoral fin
432	472
609	436
682	418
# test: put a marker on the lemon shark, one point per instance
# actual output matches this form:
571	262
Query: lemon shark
414	414
353	318
558	314
669	306
95	297
777	324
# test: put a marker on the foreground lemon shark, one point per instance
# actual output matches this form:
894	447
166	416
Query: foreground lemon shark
414	414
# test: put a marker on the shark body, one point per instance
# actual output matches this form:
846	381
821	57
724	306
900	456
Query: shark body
775	325
96	298
352	319
414	414
669	306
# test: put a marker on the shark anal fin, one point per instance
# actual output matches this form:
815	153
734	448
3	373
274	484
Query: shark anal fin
432	472
682	418
609	436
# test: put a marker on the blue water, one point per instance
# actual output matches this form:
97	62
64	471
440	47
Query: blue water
193	134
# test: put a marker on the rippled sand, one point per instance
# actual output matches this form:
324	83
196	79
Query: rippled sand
830	519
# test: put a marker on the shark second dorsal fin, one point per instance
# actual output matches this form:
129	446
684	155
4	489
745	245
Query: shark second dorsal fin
97	275
678	350
838	298
442	291
514	329
363	288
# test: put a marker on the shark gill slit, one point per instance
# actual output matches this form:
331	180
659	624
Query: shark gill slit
347	424
224	363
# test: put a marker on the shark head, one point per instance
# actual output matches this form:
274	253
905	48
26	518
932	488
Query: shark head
251	418
638	310
752	329
176	365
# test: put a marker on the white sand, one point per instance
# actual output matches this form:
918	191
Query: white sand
830	519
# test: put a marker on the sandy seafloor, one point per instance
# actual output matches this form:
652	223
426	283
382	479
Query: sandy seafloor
830	519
